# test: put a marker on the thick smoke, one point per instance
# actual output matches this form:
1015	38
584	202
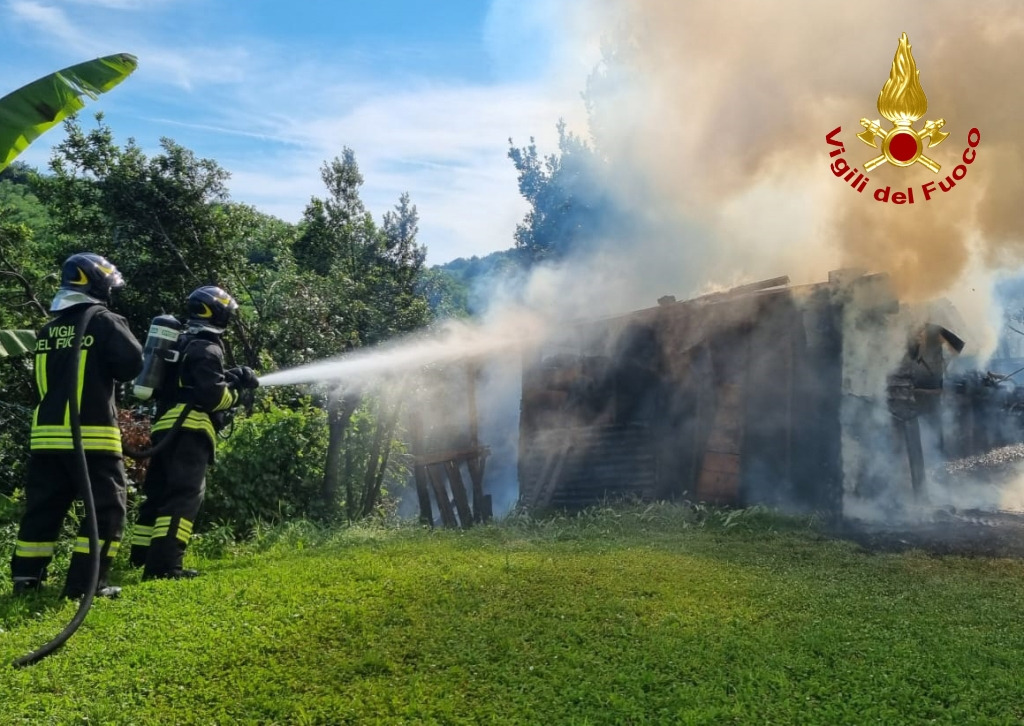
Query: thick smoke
718	112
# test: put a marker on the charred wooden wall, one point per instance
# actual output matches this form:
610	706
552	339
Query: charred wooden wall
728	399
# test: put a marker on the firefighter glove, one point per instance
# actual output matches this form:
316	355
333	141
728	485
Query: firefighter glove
242	377
247	378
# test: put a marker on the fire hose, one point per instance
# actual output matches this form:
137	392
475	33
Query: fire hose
82	467
90	509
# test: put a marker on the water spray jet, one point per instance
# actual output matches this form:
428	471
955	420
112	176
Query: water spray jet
456	341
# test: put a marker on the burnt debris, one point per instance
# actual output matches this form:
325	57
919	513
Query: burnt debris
833	398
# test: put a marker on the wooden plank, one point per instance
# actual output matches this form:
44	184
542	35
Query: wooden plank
444	505
439	457
719	478
723	463
474	425
554	474
476	475
558	447
761	285
717	487
422	490
915	454
723	441
459	494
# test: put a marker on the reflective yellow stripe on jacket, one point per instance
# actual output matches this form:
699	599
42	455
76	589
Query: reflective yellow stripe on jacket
196	421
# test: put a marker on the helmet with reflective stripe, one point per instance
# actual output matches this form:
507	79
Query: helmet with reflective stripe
91	274
211	307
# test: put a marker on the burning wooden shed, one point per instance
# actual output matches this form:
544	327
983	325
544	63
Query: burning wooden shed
790	396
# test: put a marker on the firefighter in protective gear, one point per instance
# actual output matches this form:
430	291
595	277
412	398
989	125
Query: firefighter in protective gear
109	353
198	387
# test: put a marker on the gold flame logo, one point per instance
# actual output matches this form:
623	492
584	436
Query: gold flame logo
903	102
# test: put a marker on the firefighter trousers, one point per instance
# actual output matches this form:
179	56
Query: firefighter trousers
52	487
174	488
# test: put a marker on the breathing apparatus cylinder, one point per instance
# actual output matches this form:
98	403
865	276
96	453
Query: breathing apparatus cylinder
163	334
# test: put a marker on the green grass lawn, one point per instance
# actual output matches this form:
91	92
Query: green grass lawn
619	616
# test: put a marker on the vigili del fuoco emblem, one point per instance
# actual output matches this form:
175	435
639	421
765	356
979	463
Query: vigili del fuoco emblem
903	102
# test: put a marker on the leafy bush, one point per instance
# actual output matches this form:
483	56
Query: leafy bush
15	424
269	469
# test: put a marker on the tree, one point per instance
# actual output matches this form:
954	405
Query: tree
362	284
397	266
336	282
571	208
165	221
333	225
467	286
26	280
25	273
18	173
447	296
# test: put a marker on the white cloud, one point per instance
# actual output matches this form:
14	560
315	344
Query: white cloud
79	35
120	4
52	21
446	146
271	116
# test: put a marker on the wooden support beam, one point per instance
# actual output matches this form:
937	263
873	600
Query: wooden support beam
459	493
422	490
481	508
440	457
759	285
444	504
915	454
423	494
474	422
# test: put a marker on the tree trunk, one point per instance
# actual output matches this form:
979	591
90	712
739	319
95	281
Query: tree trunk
350	492
372	463
378	462
339	412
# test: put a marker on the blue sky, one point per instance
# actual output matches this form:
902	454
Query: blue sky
427	94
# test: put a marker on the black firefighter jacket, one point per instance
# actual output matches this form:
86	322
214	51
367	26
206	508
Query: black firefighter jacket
196	379
109	353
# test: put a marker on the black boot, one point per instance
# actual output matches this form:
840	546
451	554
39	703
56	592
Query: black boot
111	592
137	558
24	585
164	560
78	580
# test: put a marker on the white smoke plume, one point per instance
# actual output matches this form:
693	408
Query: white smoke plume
717	113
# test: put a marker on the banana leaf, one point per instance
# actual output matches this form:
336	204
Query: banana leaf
16	342
33	109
